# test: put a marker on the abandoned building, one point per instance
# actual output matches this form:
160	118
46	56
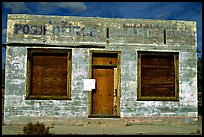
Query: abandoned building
66	67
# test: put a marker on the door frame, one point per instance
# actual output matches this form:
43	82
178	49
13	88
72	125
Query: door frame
116	106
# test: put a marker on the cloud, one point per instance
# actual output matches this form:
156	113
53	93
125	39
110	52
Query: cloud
73	6
163	15
45	7
4	32
16	7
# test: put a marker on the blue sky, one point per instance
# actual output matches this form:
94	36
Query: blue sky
189	11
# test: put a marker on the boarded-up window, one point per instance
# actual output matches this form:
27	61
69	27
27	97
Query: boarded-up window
49	72
157	76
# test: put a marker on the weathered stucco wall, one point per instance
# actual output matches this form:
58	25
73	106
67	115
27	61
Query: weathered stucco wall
125	35
16	106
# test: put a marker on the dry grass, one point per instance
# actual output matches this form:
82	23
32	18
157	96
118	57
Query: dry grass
36	129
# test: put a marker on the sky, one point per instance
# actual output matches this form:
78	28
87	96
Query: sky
188	11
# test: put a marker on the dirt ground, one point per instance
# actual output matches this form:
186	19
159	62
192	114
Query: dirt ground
98	128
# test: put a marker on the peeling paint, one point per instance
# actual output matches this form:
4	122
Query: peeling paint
137	35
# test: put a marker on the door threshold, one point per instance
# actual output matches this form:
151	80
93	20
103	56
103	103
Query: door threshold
103	116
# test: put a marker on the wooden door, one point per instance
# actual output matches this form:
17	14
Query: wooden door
104	66
103	94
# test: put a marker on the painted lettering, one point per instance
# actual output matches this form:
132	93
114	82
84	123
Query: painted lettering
17	27
26	29
67	29
149	32
43	29
29	29
148	26
34	29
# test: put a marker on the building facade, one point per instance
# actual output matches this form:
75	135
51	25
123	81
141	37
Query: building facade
85	67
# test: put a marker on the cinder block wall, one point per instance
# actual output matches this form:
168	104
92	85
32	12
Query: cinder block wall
125	35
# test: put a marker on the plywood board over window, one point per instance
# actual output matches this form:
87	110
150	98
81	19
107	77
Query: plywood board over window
158	76
49	74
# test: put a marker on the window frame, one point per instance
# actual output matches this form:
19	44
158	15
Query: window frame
176	80
30	52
